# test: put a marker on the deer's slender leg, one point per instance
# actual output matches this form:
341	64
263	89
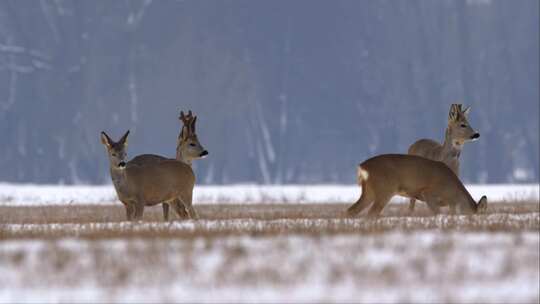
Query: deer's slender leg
433	206
139	210
379	204
165	207
432	200
186	200
412	203
179	208
130	210
191	211
362	203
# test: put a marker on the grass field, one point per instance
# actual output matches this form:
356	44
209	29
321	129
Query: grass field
270	252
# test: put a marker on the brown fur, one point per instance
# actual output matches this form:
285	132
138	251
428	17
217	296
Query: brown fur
188	148
458	132
138	185
414	177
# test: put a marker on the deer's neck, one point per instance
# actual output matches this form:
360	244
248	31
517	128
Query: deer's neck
119	180
466	199
180	157
451	146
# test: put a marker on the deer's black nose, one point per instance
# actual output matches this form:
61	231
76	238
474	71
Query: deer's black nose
204	153
122	164
475	136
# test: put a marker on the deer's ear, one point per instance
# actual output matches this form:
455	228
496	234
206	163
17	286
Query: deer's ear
105	139
124	140
482	204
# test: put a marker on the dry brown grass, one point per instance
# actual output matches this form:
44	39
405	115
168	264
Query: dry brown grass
115	213
218	220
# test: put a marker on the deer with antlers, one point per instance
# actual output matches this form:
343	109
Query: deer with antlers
156	176
458	132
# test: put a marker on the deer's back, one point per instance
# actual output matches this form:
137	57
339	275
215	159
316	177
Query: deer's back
160	181
426	148
147	159
407	174
433	150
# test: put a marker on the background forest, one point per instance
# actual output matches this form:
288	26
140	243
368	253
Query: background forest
286	91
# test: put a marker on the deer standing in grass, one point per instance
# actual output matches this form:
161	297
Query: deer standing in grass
188	148
152	179
458	132
384	176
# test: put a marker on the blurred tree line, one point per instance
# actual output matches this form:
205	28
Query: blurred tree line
286	91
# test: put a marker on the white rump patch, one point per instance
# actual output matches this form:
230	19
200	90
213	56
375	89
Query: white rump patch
362	174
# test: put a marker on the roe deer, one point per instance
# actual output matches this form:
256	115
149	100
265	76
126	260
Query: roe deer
149	184
458	132
188	148
384	176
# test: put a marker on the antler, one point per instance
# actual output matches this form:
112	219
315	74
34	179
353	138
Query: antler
188	121
455	111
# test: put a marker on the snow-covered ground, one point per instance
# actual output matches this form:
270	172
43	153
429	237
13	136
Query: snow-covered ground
22	194
394	267
266	253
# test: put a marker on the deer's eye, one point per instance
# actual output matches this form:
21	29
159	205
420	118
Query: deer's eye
463	125
114	154
192	144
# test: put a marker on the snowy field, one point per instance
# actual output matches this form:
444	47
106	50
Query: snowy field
395	267
21	195
266	244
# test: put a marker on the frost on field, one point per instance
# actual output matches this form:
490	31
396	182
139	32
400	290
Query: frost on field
218	227
421	266
31	195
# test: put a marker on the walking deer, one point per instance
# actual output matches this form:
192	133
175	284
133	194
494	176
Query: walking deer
384	176
148	184
458	132
188	148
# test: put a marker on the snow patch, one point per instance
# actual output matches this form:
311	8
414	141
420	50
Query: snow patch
395	267
29	194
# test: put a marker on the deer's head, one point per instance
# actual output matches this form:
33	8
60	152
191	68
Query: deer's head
459	129
116	150
188	147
